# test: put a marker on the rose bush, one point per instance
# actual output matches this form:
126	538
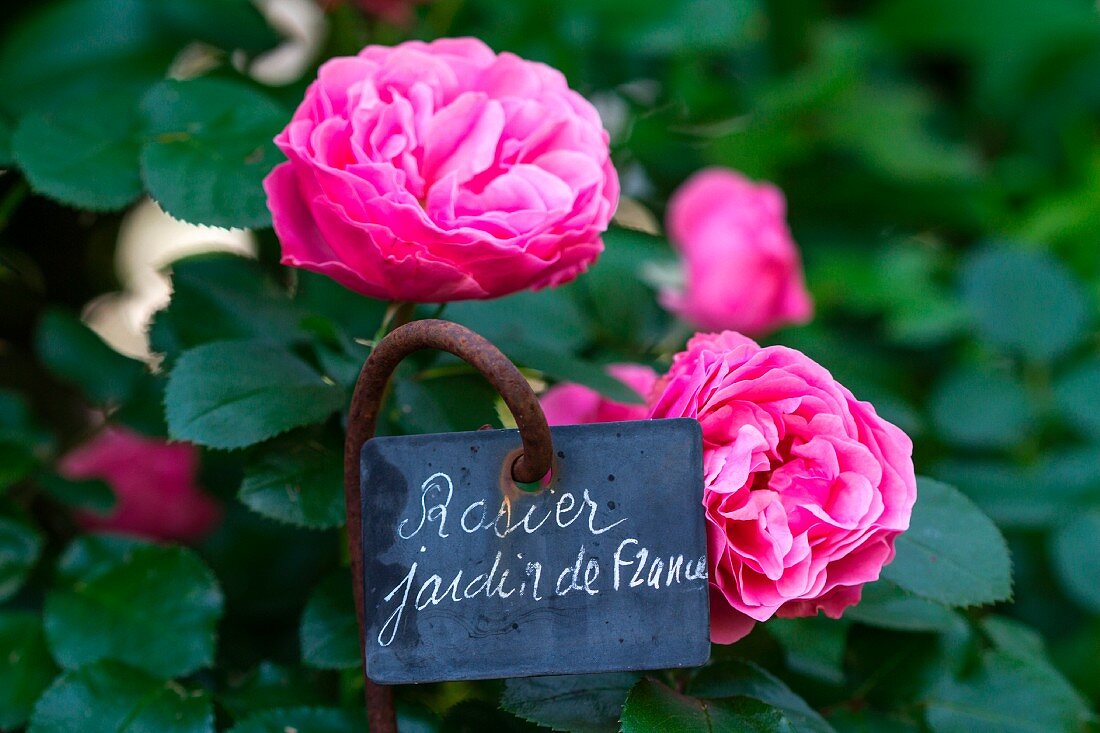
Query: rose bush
742	270
938	165
442	171
806	487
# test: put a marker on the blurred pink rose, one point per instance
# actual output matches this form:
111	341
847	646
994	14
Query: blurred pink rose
805	487
153	481
442	171
393	11
397	12
574	404
742	269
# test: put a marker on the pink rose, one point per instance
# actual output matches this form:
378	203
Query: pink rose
742	268
805	487
153	481
574	404
397	12
441	171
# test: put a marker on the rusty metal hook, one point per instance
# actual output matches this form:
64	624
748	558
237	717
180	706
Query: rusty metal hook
366	402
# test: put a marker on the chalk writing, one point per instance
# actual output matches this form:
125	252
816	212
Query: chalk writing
603	569
514	576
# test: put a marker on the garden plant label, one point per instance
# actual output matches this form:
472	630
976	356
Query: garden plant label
601	568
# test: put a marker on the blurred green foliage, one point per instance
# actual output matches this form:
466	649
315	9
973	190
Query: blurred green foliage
941	162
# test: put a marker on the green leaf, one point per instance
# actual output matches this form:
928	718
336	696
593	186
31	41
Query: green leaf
1073	548
143	410
330	632
153	607
113	698
84	153
952	553
444	404
76	48
587	703
868	720
356	314
673	27
267	569
270	686
1076	395
342	364
209	148
886	125
1040	495
568	368
926	322
613	291
221	297
886	606
1005	694
1026	301
654	707
298	480
302	720
22	442
227	24
742	678
547	318
981	410
7	127
230	394
15	415
91	494
94	554
1015	639
77	354
416	718
20	547
17	462
477	716
814	645
1022	643
26	668
1002	43
902	280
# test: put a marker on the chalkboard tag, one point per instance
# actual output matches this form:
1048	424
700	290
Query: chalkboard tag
468	576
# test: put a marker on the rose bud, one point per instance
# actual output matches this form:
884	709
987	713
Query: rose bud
156	493
742	269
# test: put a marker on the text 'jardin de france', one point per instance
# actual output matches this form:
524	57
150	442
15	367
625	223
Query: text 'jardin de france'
630	567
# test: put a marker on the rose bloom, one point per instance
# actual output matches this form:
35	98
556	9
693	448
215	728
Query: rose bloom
742	269
441	171
397	12
805	486
393	11
156	494
575	404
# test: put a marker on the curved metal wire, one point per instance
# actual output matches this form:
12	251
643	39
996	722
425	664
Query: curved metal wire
366	402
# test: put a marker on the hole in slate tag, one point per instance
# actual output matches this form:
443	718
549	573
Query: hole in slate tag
509	486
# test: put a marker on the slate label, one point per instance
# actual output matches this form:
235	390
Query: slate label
603	570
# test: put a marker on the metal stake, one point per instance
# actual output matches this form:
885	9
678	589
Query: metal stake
530	466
